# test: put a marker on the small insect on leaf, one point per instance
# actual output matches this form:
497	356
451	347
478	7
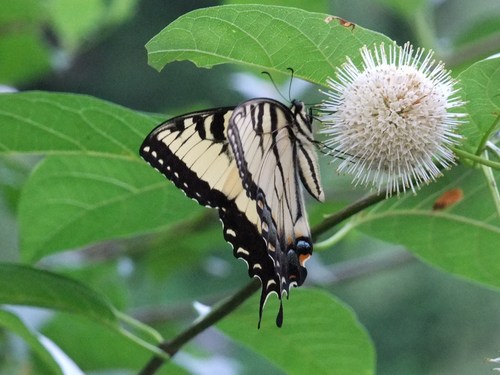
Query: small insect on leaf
449	198
342	21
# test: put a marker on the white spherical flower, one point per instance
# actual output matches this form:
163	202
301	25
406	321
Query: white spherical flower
390	122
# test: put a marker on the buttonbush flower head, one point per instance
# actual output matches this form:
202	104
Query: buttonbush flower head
389	122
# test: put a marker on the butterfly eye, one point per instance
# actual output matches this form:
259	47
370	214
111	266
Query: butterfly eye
297	104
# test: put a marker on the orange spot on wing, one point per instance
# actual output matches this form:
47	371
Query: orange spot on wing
303	258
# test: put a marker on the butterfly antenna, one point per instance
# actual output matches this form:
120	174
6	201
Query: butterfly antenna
290	84
276	86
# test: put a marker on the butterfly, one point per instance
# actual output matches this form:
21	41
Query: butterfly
246	162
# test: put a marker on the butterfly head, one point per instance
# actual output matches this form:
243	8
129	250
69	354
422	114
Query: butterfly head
298	107
299	111
296	258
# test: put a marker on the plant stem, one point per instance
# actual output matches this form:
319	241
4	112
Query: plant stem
136	324
329	242
477	159
217	313
492	184
487	135
346	213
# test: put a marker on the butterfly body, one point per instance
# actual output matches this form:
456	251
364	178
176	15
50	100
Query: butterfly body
247	162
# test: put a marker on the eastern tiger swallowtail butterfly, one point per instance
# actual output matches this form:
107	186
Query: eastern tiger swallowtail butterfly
246	161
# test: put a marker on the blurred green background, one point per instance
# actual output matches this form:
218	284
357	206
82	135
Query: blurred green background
422	321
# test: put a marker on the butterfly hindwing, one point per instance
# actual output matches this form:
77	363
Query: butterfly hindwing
307	156
274	149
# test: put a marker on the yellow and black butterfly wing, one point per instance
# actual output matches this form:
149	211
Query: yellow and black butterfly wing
193	152
274	149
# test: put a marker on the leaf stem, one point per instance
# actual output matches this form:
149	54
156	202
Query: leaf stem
487	135
136	324
358	206
329	242
492	184
146	345
493	148
475	158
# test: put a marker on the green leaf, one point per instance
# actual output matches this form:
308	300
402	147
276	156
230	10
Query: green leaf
76	200
319	334
311	6
12	323
20	11
20	40
38	122
462	239
94	186
120	10
73	29
22	285
28	58
108	349
481	90
13	174
273	38
92	15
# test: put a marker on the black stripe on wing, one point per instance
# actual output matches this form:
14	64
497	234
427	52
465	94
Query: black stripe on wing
255	110
164	150
249	245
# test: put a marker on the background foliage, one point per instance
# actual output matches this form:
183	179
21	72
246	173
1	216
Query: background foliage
93	237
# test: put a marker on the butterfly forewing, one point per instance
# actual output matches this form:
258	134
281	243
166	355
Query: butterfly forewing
180	148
